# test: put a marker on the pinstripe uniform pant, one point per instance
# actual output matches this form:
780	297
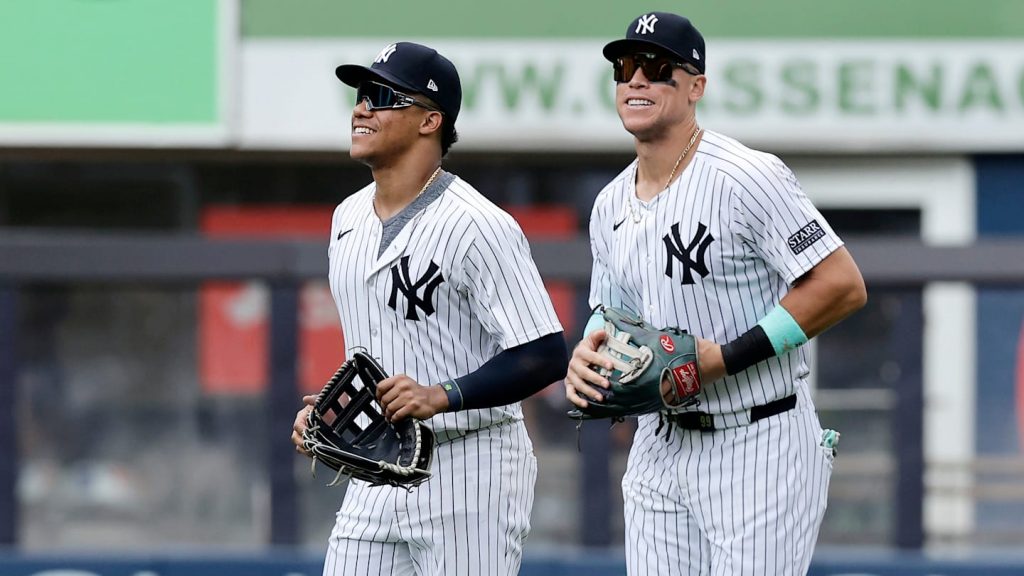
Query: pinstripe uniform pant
469	519
744	500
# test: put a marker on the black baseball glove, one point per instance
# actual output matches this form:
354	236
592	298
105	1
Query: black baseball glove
654	370
347	431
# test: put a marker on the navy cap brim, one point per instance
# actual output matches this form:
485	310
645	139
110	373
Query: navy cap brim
617	48
354	74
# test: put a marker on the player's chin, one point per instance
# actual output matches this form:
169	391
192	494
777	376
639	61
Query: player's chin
361	151
364	148
638	123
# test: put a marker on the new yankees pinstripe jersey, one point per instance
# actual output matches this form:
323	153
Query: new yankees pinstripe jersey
454	287
713	254
450	285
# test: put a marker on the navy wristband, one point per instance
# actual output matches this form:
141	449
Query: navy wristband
454	393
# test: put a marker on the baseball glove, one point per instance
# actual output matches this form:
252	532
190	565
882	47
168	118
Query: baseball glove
347	431
643	358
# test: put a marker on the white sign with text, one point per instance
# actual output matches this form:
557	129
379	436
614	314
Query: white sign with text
796	95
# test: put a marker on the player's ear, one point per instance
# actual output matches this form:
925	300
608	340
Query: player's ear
697	88
431	122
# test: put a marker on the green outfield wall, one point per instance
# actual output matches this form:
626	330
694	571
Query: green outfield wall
602	18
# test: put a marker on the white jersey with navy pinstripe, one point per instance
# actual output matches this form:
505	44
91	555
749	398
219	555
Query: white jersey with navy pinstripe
456	286
714	253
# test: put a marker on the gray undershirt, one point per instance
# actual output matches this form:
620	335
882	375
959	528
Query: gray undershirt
392	226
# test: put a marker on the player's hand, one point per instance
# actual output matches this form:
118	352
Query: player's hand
581	378
299	426
402	397
709	361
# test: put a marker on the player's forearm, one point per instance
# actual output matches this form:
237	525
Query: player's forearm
826	294
512	375
823	296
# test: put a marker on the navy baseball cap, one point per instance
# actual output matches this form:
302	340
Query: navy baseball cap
414	68
664	32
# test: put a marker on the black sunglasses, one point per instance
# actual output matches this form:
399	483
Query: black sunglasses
657	68
383	97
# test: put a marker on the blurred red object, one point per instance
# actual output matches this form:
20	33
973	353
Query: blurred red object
233	316
552	222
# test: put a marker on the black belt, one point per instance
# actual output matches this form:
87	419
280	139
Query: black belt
706	422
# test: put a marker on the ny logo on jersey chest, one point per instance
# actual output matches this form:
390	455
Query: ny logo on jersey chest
402	282
691	256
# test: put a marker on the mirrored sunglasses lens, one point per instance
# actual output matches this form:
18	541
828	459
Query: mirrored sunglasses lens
376	95
624	68
655	69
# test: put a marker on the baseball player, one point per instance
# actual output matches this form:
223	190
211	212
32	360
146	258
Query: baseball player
705	234
437	283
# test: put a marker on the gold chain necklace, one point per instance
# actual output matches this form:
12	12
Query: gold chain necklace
429	182
636	213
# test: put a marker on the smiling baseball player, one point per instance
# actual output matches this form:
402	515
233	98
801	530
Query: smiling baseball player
438	284
704	234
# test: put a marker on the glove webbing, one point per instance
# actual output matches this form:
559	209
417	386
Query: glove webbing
626	358
361	402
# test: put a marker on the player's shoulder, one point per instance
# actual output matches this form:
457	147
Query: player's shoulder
744	164
467	204
729	153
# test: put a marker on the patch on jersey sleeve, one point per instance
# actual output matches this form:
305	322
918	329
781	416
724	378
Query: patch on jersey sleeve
806	236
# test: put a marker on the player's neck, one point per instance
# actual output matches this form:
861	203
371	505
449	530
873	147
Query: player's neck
659	161
397	185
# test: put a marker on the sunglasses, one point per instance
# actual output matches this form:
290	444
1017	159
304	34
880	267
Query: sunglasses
383	97
657	68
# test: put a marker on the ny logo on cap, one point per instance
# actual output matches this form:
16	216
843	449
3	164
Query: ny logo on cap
646	24
385	53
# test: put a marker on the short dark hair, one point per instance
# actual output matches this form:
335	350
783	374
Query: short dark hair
448	135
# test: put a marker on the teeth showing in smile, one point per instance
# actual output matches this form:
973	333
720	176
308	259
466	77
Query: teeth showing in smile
361	130
639	102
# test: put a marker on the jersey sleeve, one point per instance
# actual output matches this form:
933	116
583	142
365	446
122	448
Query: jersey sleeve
774	216
332	240
601	285
504	287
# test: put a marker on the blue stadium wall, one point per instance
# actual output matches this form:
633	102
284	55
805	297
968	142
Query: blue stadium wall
593	564
1000	325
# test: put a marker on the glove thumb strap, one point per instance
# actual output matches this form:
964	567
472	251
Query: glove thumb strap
684	377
